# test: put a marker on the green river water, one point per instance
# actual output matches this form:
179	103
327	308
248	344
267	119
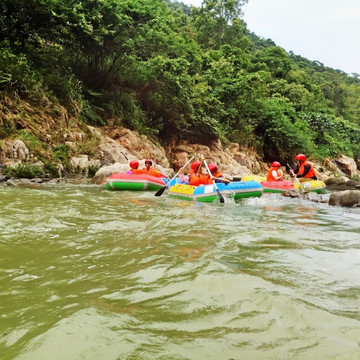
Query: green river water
89	274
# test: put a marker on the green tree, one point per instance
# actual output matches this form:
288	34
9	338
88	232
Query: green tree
218	21
276	60
176	72
281	131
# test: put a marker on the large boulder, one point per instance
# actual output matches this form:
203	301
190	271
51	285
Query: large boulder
347	165
341	183
138	146
327	169
110	152
348	198
102	174
80	164
247	158
15	150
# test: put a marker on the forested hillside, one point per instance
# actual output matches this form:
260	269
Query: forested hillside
175	73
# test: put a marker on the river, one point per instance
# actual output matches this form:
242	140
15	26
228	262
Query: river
89	274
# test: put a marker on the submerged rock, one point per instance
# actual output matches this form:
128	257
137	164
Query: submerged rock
293	193
310	196
315	197
17	182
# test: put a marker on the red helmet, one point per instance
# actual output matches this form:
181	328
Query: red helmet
300	157
195	165
148	160
212	167
134	164
275	164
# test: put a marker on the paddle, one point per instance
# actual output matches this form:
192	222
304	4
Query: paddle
160	192
125	156
221	198
297	180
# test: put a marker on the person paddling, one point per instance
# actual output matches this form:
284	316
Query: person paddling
304	171
194	173
196	176
216	175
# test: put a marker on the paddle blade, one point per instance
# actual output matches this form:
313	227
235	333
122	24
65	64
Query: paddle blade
221	198
160	192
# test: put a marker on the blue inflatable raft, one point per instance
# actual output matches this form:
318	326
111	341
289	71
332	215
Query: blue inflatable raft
207	193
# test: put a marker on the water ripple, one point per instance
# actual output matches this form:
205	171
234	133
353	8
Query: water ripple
91	274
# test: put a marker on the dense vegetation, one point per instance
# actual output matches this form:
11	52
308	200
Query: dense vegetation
176	72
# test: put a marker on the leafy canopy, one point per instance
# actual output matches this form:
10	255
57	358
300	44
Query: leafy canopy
176	72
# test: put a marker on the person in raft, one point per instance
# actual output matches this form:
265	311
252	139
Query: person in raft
134	164
184	179
304	170
195	176
275	173
215	175
150	170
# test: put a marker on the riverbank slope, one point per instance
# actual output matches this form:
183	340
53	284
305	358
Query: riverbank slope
50	138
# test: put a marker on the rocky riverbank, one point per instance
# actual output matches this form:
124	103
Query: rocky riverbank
115	147
93	154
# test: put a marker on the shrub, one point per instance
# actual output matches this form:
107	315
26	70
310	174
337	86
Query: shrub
61	152
88	146
7	129
93	170
34	145
29	171
16	73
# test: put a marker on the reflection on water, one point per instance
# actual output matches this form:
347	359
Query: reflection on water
91	274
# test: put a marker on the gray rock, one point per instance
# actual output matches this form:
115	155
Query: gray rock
312	196
293	193
17	182
348	198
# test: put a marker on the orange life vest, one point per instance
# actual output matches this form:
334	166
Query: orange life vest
310	174
136	171
270	176
218	174
203	179
153	172
194	179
